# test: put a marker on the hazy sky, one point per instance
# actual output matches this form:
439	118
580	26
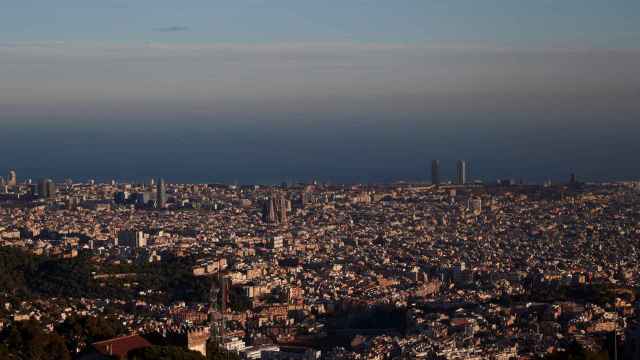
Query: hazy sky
262	91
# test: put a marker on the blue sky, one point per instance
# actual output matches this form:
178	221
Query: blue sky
518	22
359	90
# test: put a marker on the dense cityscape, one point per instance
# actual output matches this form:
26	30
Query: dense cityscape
438	269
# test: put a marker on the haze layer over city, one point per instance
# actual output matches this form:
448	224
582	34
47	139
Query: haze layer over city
319	180
362	91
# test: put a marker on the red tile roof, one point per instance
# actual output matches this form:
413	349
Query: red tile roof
121	346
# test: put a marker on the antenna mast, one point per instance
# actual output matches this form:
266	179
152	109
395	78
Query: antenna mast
217	328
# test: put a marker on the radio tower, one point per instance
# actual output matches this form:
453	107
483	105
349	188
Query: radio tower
217	327
213	304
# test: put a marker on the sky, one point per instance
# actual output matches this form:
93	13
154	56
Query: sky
257	91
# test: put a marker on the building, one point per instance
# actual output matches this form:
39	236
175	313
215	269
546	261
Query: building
475	204
121	197
142	198
234	344
304	199
292	353
275	209
12	179
162	194
46	189
255	352
51	189
461	177
435	172
134	239
572	179
460	275
41	189
192	338
197	340
506	182
119	348
276	242
269	212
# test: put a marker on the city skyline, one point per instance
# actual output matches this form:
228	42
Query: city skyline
319	180
345	92
433	176
477	271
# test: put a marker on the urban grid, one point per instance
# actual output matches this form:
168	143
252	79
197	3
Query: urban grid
439	269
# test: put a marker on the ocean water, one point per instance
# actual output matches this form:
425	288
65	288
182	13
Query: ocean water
304	148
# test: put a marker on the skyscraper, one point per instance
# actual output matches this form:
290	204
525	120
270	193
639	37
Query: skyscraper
51	188
46	188
162	194
42	188
469	172
435	172
461	177
12	179
572	179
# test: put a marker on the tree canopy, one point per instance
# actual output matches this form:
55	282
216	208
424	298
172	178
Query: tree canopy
26	340
165	353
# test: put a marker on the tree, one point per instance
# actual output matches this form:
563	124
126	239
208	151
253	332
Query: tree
164	353
82	330
27	340
576	352
238	301
5	354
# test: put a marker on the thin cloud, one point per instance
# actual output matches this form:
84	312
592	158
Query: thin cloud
175	28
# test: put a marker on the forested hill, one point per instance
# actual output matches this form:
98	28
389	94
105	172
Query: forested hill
23	275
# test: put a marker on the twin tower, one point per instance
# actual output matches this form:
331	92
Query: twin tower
461	173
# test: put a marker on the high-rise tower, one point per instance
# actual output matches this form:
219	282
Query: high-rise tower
573	179
46	188
162	194
435	172
461	177
12	179
218	290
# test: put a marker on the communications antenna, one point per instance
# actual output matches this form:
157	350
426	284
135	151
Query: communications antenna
217	328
